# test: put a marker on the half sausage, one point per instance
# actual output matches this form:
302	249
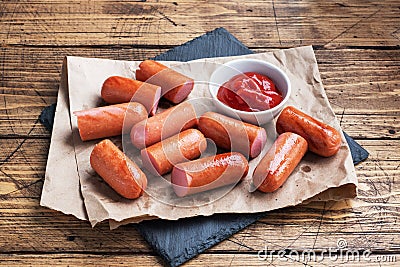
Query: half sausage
231	134
118	89
322	139
163	125
208	173
117	170
109	120
175	86
279	162
161	157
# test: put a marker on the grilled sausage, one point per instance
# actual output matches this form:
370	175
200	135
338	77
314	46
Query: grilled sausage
175	86
322	139
118	89
117	170
208	173
108	120
279	162
162	156
163	125
229	133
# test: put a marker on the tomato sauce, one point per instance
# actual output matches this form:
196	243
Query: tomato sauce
250	91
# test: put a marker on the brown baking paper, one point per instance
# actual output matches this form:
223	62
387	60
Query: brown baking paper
311	178
61	188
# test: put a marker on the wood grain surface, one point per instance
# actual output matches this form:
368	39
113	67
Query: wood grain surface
357	45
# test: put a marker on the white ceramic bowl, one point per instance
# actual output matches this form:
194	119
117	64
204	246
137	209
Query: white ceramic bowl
226	71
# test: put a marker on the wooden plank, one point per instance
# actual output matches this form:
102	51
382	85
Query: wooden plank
27	68
23	122
362	88
296	258
357	82
370	221
29	156
30	80
362	224
73	259
22	167
362	85
371	126
23	164
283	23
46	230
318	226
19	116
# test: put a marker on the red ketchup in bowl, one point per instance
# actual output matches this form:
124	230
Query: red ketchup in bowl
249	91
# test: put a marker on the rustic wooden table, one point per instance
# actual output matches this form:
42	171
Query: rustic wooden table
357	48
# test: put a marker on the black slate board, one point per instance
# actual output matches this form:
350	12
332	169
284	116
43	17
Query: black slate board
178	241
